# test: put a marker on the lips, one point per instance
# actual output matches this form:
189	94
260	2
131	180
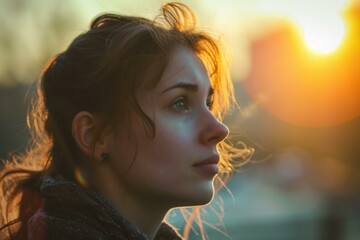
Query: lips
208	167
211	160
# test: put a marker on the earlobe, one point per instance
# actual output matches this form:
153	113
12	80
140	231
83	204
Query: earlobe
84	133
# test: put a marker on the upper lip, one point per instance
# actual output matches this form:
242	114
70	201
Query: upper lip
210	160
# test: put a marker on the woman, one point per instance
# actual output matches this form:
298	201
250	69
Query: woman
127	126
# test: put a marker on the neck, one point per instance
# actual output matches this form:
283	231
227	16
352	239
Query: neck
146	215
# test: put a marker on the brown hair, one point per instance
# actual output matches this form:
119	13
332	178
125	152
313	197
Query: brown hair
107	63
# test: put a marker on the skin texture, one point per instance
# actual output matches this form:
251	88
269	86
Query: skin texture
163	175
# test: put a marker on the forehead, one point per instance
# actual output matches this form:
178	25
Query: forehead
185	66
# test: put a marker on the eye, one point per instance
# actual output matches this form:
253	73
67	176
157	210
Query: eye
209	102
180	105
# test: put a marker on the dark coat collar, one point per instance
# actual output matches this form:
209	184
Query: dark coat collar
72	212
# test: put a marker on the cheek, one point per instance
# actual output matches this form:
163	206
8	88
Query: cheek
173	138
166	161
166	156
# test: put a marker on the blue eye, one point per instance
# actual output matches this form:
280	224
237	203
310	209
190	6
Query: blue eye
180	105
209	103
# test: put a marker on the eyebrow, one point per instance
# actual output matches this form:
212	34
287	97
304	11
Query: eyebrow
188	86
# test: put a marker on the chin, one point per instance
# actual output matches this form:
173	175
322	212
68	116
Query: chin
203	195
204	200
198	198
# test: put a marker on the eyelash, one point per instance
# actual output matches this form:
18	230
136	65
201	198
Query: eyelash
182	104
210	102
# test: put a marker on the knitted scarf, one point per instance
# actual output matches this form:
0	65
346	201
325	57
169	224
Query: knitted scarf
72	212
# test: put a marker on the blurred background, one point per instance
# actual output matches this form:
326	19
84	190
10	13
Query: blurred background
296	70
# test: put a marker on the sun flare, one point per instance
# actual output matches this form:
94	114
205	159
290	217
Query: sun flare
325	34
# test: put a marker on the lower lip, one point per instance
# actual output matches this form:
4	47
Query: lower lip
210	169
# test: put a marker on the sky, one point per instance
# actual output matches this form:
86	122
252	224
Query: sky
34	30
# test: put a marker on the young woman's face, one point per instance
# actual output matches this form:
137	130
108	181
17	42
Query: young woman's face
178	166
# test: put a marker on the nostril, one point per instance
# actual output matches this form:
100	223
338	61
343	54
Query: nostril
212	130
223	132
218	133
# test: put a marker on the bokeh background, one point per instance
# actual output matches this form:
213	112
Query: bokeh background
296	69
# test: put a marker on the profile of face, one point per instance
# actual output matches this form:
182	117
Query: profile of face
177	167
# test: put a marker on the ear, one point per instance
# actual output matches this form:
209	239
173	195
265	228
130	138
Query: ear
84	132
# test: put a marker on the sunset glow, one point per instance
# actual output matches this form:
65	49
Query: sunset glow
323	35
302	84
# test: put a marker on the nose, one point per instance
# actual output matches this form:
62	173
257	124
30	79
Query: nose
213	131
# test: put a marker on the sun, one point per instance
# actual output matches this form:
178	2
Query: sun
325	34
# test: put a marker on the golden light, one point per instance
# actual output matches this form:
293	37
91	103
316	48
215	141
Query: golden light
304	88
79	177
324	34
320	22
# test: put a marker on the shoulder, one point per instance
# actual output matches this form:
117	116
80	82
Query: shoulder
70	212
